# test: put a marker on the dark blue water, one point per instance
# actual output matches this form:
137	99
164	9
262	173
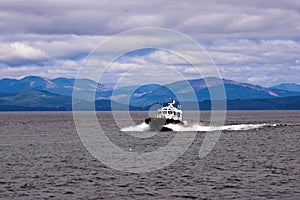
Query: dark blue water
43	157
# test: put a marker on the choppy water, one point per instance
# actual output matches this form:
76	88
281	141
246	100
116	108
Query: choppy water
256	157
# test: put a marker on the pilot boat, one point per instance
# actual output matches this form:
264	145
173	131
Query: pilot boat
165	115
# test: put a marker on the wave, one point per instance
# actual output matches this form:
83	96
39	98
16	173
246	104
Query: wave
140	128
201	128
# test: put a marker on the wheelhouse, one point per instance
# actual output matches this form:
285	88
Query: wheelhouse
169	112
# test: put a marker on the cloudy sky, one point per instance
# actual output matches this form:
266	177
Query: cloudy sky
250	41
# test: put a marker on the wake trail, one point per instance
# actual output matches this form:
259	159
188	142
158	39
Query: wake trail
201	128
139	128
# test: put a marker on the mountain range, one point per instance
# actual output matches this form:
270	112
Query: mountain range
38	93
287	86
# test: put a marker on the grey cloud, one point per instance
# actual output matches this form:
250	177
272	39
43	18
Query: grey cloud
197	18
243	37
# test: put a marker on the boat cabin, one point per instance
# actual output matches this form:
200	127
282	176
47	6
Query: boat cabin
169	112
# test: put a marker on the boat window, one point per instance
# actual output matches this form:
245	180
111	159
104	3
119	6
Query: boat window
165	112
178	114
170	112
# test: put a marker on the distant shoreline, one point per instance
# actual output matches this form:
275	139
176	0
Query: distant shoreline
282	103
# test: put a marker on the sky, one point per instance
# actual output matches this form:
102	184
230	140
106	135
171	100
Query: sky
251	41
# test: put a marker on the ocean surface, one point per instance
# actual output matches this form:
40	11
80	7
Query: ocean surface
256	157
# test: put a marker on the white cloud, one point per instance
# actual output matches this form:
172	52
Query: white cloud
254	52
38	47
18	50
295	67
164	57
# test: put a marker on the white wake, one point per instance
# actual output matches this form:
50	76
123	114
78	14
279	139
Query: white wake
202	128
139	128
